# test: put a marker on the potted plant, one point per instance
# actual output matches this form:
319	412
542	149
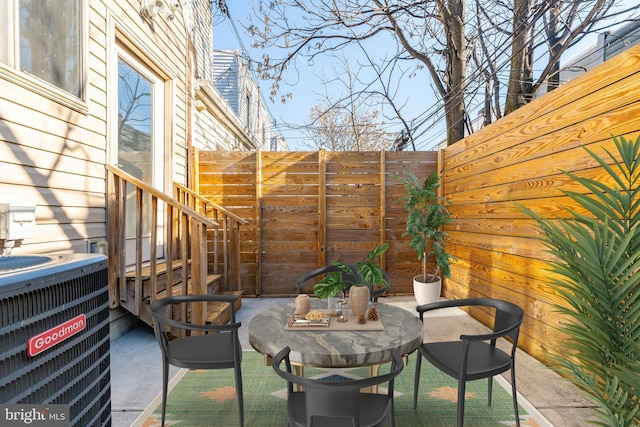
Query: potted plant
426	217
337	282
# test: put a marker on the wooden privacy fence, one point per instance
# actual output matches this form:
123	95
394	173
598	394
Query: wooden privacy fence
519	159
306	209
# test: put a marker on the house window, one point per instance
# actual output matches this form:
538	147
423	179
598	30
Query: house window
44	39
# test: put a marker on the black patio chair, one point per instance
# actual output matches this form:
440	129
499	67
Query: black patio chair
474	357
193	346
327	403
374	293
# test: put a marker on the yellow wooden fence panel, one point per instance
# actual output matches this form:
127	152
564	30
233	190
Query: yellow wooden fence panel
314	207
306	209
519	161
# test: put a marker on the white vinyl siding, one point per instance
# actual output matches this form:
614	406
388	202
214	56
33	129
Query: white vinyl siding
53	146
236	85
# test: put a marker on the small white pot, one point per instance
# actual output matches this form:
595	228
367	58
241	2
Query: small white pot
426	293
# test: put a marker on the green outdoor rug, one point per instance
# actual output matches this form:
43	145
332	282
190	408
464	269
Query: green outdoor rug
207	398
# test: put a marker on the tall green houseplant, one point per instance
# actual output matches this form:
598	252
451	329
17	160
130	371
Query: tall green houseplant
426	218
597	274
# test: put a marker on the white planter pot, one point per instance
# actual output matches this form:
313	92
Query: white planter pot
426	293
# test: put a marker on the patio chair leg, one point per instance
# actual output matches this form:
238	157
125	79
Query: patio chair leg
165	386
417	379
391	416
489	391
240	396
513	391
461	392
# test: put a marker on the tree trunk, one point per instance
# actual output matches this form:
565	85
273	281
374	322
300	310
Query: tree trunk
516	92
456	72
554	47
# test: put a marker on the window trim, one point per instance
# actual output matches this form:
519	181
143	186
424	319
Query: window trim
121	35
28	81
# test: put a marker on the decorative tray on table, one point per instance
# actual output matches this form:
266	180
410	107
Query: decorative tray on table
301	320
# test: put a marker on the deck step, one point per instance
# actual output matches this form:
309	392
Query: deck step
219	313
213	286
213	283
161	279
161	268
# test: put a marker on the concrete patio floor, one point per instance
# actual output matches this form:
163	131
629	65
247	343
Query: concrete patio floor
136	373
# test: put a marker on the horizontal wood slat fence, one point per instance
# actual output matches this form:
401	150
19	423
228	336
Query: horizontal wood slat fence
307	208
519	159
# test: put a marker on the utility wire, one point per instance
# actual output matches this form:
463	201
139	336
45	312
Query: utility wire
434	113
503	67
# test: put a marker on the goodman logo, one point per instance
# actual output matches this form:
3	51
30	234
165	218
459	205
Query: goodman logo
56	335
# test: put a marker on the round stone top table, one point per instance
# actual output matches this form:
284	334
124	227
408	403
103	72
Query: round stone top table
336	348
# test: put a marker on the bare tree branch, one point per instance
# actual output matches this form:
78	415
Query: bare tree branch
467	50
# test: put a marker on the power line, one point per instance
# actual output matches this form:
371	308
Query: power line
425	123
502	68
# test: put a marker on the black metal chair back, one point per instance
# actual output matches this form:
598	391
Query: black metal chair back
188	345
337	403
474	357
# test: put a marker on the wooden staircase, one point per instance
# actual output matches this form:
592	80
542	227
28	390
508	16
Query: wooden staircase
218	313
192	238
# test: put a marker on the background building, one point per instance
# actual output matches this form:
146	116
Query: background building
233	80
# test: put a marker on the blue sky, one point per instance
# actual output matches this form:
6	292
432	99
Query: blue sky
308	90
306	85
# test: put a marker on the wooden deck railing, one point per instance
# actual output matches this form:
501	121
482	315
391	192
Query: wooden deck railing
184	241
229	225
